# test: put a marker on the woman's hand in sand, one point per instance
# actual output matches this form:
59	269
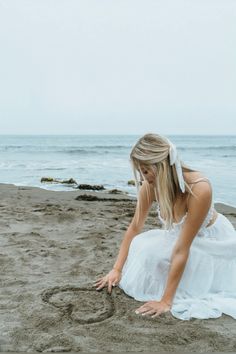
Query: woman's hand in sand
153	308
111	279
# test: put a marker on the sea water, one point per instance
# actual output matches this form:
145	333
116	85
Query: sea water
104	159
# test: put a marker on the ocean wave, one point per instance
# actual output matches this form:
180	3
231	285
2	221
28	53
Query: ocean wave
88	148
208	147
52	169
229	155
81	152
59	149
111	146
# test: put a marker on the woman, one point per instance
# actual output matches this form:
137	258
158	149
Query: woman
188	267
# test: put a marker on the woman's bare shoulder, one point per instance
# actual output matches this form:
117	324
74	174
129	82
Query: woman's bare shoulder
199	189
192	177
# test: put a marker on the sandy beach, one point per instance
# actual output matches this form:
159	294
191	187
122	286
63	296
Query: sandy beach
53	246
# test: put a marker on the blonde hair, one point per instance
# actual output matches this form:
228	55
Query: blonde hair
152	151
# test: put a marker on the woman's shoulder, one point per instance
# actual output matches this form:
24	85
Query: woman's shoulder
202	190
194	177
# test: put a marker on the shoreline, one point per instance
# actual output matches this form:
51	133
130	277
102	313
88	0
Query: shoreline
106	191
54	245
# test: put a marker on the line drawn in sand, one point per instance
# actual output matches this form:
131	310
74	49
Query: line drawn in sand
82	305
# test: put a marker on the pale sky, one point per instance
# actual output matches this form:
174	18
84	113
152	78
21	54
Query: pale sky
117	66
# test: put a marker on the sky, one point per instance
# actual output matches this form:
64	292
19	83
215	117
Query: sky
117	66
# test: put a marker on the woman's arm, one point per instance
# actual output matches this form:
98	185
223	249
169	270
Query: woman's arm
124	247
134	228
146	198
197	211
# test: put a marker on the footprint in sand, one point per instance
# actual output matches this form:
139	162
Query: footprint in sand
82	305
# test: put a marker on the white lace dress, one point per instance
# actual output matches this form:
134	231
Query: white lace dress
208	285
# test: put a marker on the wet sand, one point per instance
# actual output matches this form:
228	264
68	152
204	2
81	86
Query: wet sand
53	246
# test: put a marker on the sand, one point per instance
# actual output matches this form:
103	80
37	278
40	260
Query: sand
53	246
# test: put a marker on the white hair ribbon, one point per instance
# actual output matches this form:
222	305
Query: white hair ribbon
174	159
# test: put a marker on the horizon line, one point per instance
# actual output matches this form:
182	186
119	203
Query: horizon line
102	134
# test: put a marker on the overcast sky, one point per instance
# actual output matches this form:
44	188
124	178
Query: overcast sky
117	66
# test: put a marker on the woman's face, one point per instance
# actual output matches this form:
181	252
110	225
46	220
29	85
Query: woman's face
148	173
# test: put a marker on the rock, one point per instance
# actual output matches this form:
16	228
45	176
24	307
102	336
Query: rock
116	191
47	179
69	181
87	197
131	182
91	187
57	180
92	198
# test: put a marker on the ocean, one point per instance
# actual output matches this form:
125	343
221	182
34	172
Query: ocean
104	159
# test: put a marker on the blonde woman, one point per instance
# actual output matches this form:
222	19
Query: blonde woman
188	267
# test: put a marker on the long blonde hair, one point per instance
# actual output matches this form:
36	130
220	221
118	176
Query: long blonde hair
152	151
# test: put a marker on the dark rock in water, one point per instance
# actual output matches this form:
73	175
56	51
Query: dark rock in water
47	179
131	182
116	191
90	187
69	181
57	180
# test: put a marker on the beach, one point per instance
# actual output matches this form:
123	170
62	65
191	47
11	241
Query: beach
54	245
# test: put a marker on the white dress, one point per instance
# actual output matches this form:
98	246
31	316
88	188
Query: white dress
208	284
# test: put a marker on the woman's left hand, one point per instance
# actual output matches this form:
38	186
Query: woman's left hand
154	308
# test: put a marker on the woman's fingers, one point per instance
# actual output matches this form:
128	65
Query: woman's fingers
109	286
98	283
143	309
101	282
98	279
101	285
95	284
149	312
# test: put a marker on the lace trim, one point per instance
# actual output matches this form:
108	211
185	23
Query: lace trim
204	224
175	223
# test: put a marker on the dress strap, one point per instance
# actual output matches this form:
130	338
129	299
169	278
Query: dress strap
198	180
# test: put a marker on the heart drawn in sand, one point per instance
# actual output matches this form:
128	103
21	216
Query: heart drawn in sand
83	305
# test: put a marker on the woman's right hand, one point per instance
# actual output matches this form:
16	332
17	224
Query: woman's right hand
111	279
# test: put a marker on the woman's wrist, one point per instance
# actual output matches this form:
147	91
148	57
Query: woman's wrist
167	301
118	270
